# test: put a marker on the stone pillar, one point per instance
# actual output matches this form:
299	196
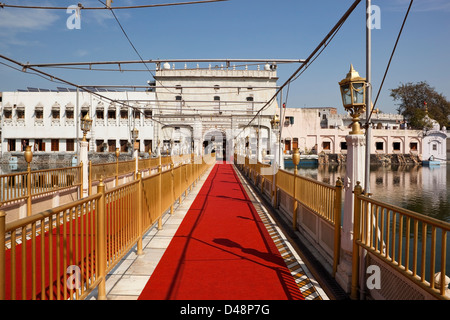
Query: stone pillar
83	158
197	136
356	146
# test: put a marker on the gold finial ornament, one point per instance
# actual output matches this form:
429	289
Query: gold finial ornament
28	154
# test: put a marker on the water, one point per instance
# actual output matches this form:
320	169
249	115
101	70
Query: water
416	188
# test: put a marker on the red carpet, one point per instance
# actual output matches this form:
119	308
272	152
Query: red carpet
221	251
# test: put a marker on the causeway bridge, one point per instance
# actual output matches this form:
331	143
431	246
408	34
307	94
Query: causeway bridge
196	227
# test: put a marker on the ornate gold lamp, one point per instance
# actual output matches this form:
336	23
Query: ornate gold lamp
134	136
275	122
86	125
353	92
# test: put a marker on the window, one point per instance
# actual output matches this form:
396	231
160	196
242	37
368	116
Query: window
99	145
250	105
287	145
84	112
217	103
148	114
123	145
396	146
7	113
123	113
11	145
434	147
39	145
70	145
148	145
25	143
55	113
136	113
55	145
21	113
344	145
295	143
326	145
111	145
39	113
379	146
100	114
413	146
111	114
179	103
69	113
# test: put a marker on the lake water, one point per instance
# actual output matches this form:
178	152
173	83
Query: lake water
416	188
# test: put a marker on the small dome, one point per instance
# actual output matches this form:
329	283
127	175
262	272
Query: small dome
166	66
267	67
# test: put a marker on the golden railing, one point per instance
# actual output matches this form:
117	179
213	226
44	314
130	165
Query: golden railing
26	185
66	252
413	244
322	199
36	251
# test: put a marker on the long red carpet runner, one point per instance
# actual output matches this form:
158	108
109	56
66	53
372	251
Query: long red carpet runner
221	250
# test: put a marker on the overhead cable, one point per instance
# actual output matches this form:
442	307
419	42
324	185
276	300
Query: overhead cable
389	63
4	5
331	34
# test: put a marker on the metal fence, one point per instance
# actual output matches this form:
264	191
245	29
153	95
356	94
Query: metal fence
66	252
411	247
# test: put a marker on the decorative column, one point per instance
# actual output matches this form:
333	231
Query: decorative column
86	124
353	97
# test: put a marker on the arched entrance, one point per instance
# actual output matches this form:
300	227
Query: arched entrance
215	140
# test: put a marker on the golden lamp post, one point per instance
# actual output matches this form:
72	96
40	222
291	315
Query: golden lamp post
353	91
117	166
28	154
86	125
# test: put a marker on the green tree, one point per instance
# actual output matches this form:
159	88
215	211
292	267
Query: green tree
415	98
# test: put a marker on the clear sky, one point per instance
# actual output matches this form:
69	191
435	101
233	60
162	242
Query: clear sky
253	29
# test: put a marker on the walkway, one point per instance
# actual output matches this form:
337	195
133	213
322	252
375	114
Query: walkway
208	250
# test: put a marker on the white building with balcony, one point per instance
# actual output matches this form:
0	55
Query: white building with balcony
49	121
182	110
323	130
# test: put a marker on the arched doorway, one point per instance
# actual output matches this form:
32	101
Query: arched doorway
215	141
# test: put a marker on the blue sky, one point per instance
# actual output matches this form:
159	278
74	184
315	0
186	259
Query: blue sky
282	29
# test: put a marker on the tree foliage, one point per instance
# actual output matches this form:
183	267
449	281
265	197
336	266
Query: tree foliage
415	98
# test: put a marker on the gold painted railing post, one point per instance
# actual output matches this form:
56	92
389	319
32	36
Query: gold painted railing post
81	179
294	205
90	178
28	154
29	190
101	242
140	228
356	237
2	256
117	166
159	199
296	161
172	187
337	224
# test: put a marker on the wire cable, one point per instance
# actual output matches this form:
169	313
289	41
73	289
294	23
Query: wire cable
311	58
4	5
389	63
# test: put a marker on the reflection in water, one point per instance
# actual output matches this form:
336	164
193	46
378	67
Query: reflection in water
416	188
